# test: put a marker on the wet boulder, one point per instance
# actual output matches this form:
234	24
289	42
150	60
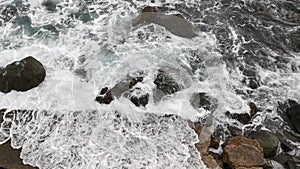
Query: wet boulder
293	114
242	152
268	141
22	75
234	130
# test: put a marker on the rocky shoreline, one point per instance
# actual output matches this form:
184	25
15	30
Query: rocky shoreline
228	147
260	149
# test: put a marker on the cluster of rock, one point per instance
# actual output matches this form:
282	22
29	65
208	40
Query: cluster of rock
257	151
165	85
253	150
260	149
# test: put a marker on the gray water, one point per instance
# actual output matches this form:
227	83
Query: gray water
238	43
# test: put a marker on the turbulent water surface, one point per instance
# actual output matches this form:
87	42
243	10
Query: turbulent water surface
88	44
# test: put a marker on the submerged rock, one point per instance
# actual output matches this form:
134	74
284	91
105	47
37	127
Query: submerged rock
24	24
50	5
202	100
22	75
176	25
165	85
243	152
268	141
293	113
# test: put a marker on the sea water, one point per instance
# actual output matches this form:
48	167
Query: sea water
87	45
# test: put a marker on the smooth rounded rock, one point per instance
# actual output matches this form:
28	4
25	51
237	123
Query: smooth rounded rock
22	75
293	114
267	140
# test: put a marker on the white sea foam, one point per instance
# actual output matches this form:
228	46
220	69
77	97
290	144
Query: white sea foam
71	130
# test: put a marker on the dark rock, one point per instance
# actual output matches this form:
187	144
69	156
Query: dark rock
282	158
134	81
81	73
22	75
165	85
282	108
293	113
215	142
268	141
142	100
243	118
218	158
150	9
253	84
286	147
125	88
253	108
243	152
105	96
2	111
294	163
234	131
202	100
50	5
